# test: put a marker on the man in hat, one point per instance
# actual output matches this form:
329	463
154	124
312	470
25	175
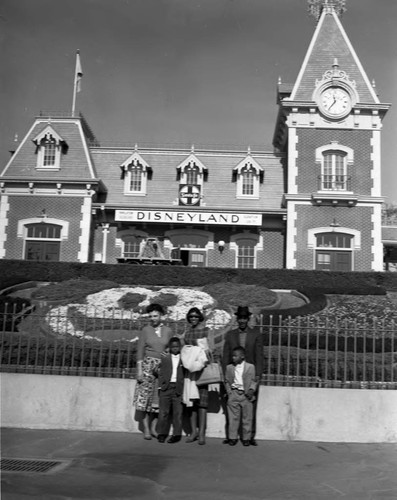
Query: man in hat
251	340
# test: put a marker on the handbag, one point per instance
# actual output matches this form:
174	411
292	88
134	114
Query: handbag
211	374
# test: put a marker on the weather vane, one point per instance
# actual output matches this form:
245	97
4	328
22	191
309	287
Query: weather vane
315	7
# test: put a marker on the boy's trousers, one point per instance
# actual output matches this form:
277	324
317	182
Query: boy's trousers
239	408
170	402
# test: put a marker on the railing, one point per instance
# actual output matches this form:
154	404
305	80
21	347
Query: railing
297	352
334	183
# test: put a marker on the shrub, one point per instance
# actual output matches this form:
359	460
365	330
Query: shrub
19	271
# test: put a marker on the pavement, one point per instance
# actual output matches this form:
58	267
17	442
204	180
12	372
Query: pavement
121	466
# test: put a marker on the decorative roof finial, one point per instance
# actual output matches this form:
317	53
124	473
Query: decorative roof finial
315	7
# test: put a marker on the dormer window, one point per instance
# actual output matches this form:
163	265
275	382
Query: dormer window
192	172
50	146
136	172
248	174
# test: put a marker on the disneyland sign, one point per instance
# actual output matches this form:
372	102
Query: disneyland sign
240	219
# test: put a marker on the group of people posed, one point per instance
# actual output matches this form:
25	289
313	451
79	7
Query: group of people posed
169	368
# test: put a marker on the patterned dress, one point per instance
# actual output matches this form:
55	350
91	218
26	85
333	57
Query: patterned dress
190	338
150	347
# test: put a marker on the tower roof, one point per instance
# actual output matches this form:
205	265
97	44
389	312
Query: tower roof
331	42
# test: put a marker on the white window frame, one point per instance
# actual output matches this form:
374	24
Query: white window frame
333	149
191	162
135	163
258	245
312	241
250	165
48	135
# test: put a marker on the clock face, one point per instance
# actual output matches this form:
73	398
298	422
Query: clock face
335	101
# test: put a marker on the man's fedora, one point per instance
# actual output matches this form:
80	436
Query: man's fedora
243	312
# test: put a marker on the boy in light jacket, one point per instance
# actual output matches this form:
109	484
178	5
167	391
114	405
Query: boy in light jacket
240	384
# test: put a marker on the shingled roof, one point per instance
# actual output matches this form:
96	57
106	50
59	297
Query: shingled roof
330	42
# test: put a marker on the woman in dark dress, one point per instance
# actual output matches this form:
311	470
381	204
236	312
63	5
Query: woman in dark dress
153	340
198	334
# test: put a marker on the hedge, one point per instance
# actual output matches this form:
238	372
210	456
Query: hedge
13	272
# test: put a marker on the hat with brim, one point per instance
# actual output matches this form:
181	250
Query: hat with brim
243	312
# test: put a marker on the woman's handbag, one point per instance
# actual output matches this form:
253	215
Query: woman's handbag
211	374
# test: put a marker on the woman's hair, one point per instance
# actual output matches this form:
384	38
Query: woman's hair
155	307
195	310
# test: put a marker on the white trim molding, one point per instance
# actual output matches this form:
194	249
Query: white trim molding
21	229
4	208
376	236
311	235
376	163
85	228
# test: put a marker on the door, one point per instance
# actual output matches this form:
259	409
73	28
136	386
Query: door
333	260
42	250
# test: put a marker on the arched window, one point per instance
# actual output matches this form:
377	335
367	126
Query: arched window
334	160
43	241
334	171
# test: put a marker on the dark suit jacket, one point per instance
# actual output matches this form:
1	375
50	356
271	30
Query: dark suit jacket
248	378
165	373
253	348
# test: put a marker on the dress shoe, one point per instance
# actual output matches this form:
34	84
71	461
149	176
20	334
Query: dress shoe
191	439
174	439
225	441
253	442
246	442
161	439
232	442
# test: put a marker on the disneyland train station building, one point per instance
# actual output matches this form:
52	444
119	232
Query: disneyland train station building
314	202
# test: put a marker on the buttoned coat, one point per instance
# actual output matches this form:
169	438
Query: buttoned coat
253	348
165	373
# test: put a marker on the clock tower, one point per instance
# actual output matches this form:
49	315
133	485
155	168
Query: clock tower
329	127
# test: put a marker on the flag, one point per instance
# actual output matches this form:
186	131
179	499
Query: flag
79	73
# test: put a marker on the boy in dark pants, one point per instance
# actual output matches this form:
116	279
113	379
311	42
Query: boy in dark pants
240	386
170	393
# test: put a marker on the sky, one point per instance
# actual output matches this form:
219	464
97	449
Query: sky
169	72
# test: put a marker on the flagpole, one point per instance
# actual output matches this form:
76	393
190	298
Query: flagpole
77	76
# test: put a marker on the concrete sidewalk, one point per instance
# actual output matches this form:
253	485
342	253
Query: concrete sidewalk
118	466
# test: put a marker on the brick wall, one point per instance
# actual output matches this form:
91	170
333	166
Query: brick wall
309	170
26	207
358	218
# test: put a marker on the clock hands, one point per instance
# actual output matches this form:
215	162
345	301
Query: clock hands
334	101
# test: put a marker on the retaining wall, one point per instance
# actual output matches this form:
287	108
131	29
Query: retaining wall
284	413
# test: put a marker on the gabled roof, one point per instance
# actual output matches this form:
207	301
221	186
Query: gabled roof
330	42
192	160
75	164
